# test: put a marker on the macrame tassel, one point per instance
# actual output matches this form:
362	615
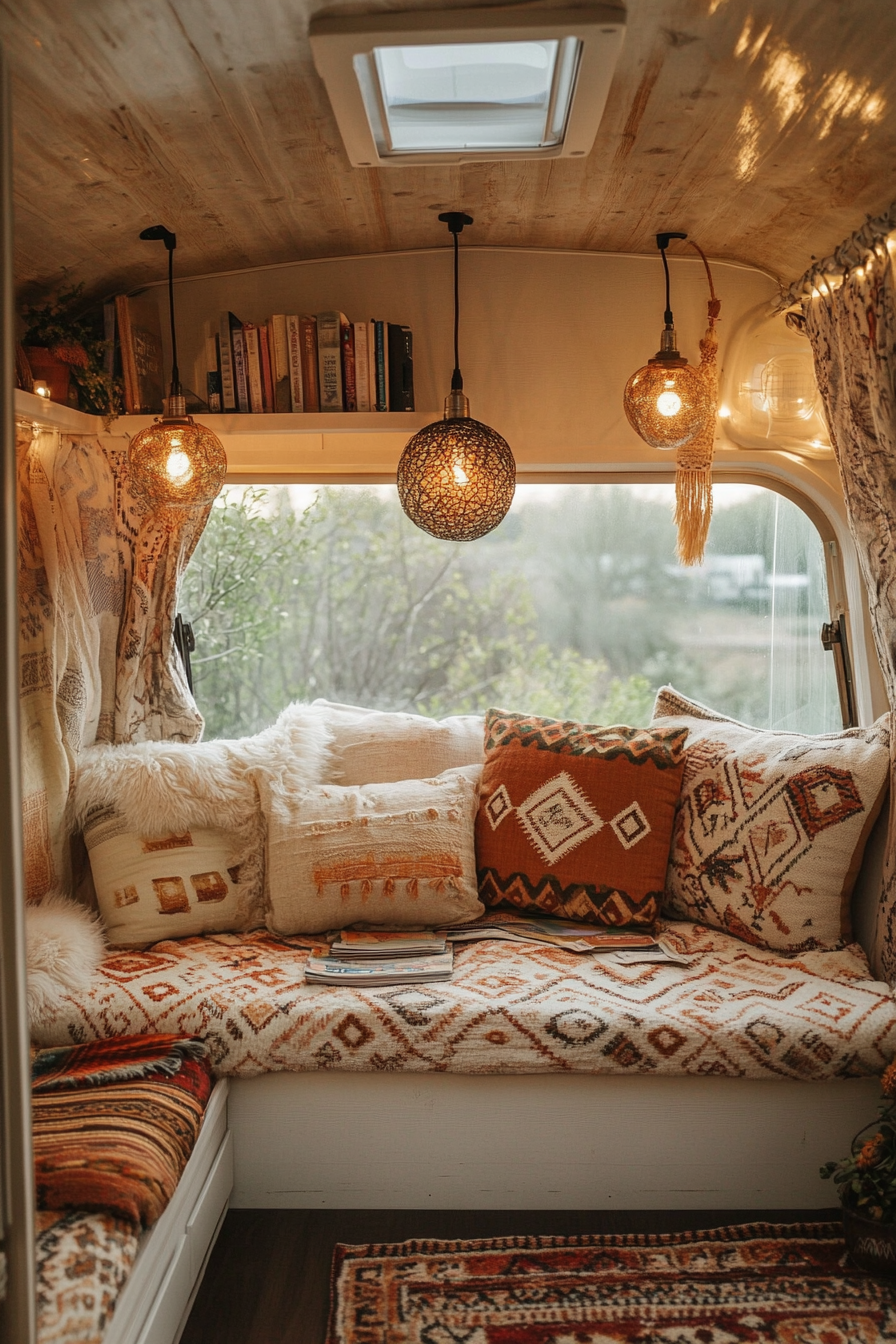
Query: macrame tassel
693	462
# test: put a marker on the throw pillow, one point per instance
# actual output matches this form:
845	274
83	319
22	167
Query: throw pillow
575	820
370	746
197	805
771	826
395	854
64	945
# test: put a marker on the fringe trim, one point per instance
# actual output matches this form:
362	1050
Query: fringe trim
693	512
169	1065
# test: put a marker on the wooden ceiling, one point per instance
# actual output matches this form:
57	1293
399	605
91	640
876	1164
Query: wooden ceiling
767	131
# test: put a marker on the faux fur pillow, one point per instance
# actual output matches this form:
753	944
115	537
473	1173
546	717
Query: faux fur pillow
771	826
174	830
63	947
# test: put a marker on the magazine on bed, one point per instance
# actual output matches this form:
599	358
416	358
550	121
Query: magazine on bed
565	933
323	969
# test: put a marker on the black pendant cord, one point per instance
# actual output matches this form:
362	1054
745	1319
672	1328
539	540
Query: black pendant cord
457	381
157	233
662	242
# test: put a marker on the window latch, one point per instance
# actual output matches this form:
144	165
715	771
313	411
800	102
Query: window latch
834	640
185	643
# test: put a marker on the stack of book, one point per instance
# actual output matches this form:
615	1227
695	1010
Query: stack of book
625	946
297	363
382	958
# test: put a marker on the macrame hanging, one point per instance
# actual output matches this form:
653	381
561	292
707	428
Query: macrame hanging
693	461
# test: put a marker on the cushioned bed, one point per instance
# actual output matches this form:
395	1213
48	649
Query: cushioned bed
734	1011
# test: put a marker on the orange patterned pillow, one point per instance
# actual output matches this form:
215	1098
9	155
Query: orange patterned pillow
576	820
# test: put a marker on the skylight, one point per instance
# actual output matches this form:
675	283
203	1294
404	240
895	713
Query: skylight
459	85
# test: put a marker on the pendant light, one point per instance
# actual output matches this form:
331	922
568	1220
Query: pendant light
457	476
667	402
175	462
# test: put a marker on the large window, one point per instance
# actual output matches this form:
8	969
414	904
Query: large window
574	607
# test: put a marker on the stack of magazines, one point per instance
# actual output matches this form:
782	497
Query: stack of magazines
372	958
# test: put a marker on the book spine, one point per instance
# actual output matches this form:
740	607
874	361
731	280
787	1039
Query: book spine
128	362
253	368
213	386
240	370
267	374
362	366
225	355
401	368
109	338
310	388
280	363
329	359
382	365
348	367
294	363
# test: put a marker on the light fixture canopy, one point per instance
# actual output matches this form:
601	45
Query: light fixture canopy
668	401
456	477
175	463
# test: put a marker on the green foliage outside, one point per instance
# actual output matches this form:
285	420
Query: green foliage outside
574	607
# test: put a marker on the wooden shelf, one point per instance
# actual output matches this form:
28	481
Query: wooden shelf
56	416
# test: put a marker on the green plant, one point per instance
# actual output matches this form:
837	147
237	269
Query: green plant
69	333
866	1180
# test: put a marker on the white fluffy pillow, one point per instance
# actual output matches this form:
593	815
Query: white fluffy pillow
372	746
397	854
137	801
63	947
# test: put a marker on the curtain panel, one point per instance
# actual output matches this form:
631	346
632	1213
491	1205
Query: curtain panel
853	334
98	581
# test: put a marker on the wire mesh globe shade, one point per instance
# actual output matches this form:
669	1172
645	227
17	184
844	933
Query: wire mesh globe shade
667	403
176	463
456	479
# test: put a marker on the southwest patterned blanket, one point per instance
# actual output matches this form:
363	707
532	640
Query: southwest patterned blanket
120	1059
83	1261
734	1010
118	1147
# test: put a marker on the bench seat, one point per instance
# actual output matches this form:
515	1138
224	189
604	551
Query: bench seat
734	1011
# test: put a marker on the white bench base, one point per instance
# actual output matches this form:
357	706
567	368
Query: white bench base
538	1141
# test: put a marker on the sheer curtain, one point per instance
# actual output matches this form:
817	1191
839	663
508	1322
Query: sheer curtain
98	579
852	328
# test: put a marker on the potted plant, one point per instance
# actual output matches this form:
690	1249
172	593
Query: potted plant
61	344
866	1184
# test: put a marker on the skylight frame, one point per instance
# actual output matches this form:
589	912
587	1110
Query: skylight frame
343	48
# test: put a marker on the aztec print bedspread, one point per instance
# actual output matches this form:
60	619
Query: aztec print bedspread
120	1146
735	1011
83	1261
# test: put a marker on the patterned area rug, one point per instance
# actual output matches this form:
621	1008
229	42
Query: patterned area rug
732	1285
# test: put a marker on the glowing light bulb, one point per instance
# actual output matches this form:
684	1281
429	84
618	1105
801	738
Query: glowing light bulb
460	476
724	412
41	389
668	403
178	466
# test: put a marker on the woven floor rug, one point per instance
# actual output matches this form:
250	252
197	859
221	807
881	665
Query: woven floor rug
731	1285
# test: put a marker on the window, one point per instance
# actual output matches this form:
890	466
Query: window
574	607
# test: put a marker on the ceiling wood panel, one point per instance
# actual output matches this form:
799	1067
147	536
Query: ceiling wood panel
767	131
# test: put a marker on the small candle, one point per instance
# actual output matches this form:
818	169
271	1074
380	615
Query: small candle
41	389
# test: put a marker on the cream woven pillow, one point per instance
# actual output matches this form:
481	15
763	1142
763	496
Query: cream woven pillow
397	854
370	746
771	826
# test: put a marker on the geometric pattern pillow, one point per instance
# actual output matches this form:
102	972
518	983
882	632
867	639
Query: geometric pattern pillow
771	826
575	820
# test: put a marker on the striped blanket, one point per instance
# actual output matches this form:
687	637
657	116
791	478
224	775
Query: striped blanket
119	1146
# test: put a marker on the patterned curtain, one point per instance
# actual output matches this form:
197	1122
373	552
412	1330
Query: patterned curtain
98	578
853	333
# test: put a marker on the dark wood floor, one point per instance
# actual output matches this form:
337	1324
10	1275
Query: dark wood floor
268	1280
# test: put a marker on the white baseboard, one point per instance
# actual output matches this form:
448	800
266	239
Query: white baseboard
451	1141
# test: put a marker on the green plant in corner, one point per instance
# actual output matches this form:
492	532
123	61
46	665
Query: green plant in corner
866	1180
64	328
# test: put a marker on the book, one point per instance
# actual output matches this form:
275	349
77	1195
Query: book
140	338
213	391
362	365
380	364
401	368
363	946
240	368
323	969
109	338
574	937
253	368
329	360
349	394
278	341
310	386
225	361
267	377
294	363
